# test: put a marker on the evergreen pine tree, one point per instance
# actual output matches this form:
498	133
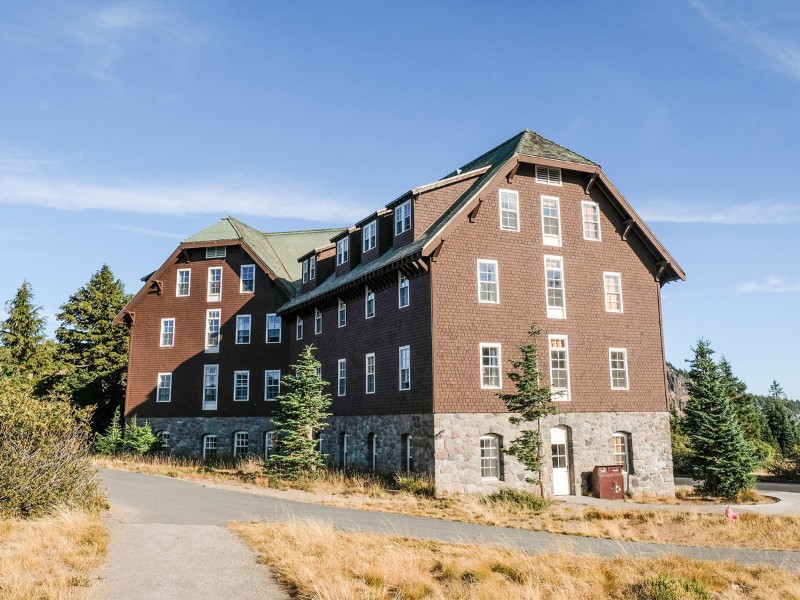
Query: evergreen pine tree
784	431
110	442
27	354
720	456
528	404
744	405
302	411
95	350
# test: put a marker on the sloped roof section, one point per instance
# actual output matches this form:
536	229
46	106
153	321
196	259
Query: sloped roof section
279	251
528	143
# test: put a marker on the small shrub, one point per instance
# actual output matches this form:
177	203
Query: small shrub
511	572
110	442
414	483
250	468
44	456
519	499
139	439
666	587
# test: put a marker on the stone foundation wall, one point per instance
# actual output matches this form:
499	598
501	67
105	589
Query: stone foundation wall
458	457
389	429
186	434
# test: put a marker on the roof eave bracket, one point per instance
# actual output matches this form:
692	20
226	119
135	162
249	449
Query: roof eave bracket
512	173
628	224
474	212
587	190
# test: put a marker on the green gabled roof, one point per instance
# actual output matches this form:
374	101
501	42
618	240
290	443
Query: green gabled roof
279	251
525	142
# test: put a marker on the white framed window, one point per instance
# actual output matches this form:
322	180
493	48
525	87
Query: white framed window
167	333
488	285
273	329
342	313
247	279
369	236
209	446
369	370
317	321
242	329
403	292
342	250
210	386
554	282
341	388
612	283
369	304
241	386
618	362
213	318
305	270
214	284
372	450
490	366
490	457
272	384
299	328
559	367
269	444
163	438
402	217
216	252
164	387
183	282
404	366
312	267
551	221
509	210
407	456
548	175
590	213
621	443
240	442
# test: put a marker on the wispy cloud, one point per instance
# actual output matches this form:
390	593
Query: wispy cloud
145	231
750	213
94	40
748	37
772	284
25	180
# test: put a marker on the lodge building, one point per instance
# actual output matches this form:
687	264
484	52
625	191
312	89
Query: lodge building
415	311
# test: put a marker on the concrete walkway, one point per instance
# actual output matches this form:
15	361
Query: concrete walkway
159	551
150	499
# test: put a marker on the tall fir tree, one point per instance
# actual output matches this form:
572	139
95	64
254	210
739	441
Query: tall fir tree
529	404
302	411
720	456
744	405
95	350
27	354
783	429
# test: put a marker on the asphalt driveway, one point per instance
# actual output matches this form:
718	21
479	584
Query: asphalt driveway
145	500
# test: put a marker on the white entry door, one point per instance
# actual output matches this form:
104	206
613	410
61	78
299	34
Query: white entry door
558	446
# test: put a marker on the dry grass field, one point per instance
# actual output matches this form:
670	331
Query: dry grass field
314	560
753	531
50	558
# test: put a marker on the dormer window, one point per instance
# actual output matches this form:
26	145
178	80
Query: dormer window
216	252
370	236
342	248
548	175
312	267
402	217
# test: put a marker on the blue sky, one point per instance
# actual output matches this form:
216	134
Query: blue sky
125	127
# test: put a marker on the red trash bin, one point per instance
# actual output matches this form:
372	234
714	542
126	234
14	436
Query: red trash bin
608	483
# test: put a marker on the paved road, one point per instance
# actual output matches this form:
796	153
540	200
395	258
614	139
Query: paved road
147	499
164	546
761	486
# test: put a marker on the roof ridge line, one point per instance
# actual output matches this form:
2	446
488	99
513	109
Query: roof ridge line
231	220
557	144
